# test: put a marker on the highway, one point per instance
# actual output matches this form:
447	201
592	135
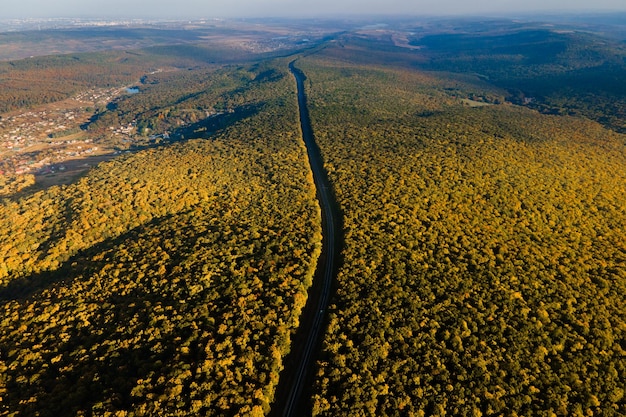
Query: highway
290	395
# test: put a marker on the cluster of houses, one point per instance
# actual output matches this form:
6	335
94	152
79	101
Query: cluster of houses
27	140
31	141
38	142
26	129
98	95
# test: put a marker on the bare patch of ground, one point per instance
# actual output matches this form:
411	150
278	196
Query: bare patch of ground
69	171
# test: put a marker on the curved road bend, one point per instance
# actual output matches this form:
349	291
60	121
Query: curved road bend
294	388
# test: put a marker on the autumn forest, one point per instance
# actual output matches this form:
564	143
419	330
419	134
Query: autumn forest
480	180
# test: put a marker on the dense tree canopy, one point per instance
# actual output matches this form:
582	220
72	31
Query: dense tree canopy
484	244
167	281
484	251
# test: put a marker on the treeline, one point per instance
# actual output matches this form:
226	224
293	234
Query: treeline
11	184
165	282
175	101
40	80
553	72
484	252
34	81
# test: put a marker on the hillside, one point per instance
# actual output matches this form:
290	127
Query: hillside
165	281
484	250
554	71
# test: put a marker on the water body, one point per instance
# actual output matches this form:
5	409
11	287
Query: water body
132	90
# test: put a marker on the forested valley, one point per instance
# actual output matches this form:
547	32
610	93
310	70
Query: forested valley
484	263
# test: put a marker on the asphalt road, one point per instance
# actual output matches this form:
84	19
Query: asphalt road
292	395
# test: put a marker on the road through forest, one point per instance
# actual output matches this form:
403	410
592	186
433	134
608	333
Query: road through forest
293	392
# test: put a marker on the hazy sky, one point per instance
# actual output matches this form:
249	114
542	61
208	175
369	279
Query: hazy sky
297	8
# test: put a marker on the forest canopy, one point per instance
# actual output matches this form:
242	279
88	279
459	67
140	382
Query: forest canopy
481	185
484	254
167	281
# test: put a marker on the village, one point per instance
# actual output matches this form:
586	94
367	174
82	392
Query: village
50	138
